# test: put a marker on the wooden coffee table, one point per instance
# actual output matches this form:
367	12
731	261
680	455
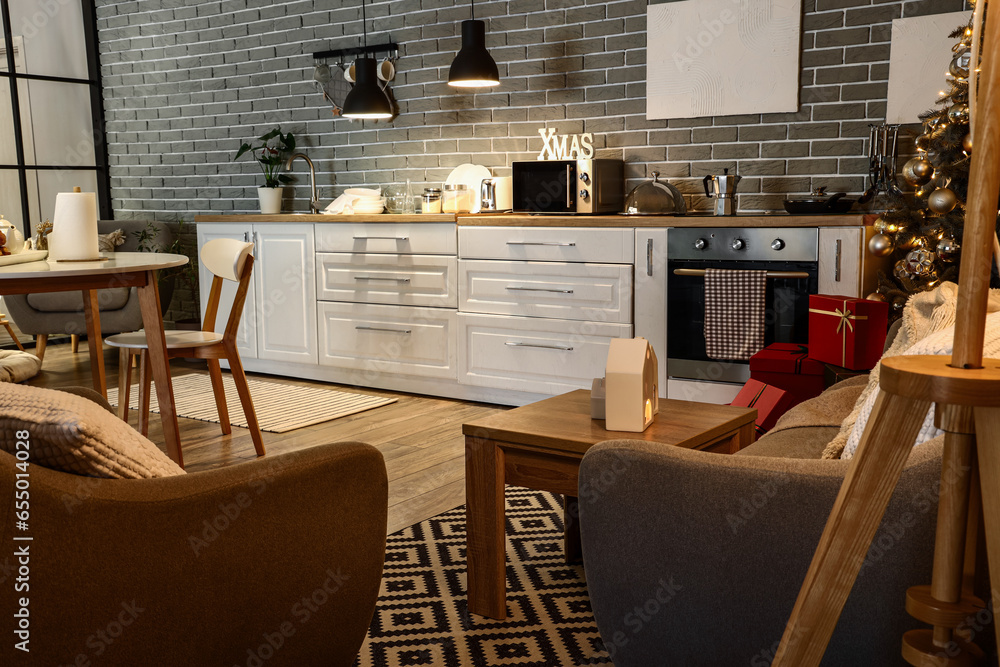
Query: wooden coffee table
540	446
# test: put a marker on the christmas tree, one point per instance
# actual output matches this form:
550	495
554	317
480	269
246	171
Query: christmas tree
922	230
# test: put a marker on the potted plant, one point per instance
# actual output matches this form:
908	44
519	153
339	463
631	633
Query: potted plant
270	154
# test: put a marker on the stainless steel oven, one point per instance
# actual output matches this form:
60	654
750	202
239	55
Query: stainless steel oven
788	254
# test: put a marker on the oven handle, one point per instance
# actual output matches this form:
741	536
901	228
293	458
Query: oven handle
770	274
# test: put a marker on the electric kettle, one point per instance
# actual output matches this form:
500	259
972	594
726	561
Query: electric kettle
723	191
496	194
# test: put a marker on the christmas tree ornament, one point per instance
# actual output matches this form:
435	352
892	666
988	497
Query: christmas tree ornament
922	142
898	302
880	245
959	67
917	171
942	201
967	143
948	249
959	113
880	225
875	296
920	262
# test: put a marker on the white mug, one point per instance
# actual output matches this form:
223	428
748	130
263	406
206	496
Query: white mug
349	73
386	70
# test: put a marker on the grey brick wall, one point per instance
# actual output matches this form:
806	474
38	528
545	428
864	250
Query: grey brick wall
186	81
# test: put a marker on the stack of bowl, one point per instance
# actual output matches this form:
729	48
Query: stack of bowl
366	201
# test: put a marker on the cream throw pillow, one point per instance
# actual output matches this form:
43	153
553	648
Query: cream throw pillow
17	366
73	434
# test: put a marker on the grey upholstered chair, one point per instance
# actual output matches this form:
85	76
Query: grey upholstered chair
42	315
694	558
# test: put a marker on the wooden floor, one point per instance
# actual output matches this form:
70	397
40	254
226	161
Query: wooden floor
420	437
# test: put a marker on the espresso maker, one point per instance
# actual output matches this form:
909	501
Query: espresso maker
724	191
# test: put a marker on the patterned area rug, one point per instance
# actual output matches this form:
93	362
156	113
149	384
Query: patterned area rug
279	407
422	617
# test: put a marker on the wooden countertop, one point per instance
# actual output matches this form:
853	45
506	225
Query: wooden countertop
311	217
520	220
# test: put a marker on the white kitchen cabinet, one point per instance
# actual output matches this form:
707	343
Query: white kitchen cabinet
280	311
846	268
410	280
651	294
609	245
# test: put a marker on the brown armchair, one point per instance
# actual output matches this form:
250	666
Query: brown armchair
275	561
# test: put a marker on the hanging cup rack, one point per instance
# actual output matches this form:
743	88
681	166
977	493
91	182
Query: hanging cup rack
390	49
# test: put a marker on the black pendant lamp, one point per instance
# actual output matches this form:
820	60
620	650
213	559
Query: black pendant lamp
473	67
366	99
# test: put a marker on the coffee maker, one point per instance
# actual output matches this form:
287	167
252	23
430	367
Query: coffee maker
724	192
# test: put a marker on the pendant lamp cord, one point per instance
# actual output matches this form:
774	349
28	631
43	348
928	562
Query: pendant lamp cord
472	3
364	23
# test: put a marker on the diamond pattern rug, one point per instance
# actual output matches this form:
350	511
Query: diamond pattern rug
422	618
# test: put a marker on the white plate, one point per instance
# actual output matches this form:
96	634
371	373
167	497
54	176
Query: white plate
363	192
24	257
471	175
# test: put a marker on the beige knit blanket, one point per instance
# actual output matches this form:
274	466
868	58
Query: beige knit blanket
925	314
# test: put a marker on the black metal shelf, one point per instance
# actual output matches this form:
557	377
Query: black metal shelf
388	47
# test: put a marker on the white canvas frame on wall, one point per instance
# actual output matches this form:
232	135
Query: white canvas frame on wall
722	57
918	63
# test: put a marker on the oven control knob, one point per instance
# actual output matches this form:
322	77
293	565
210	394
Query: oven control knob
777	244
700	244
584	195
585	177
738	244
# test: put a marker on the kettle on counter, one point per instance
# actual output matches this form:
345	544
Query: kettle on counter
724	192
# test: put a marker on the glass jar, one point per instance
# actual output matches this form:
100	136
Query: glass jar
431	201
456	199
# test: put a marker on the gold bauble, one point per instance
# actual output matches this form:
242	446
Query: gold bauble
942	201
875	296
958	113
880	245
880	225
917	171
967	143
922	142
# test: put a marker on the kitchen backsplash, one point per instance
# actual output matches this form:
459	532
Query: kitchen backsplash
185	82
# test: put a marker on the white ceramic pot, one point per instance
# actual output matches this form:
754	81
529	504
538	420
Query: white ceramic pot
270	200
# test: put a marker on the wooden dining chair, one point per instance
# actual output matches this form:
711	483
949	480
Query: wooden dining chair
227	259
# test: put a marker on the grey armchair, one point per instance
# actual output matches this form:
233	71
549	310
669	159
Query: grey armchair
42	315
693	558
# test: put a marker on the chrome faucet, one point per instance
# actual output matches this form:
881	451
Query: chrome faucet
314	200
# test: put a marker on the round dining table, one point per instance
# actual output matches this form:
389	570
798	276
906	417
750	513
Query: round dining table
120	269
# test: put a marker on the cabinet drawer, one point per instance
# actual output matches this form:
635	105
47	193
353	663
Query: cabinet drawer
410	280
600	292
533	354
556	244
406	238
401	340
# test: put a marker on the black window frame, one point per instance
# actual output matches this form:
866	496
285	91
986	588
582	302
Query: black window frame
93	81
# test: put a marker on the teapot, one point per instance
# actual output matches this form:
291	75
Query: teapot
14	238
724	191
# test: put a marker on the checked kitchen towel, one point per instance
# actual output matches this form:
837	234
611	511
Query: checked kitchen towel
734	313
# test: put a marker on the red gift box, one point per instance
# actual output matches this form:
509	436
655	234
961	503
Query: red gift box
847	332
770	402
788	366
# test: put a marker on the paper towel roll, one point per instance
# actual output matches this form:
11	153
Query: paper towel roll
74	227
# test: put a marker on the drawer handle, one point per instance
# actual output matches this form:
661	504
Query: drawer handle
565	348
381	238
539	289
366	328
394	280
555	243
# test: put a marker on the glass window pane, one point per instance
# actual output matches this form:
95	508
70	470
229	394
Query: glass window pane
52	182
52	33
60	131
10	199
8	151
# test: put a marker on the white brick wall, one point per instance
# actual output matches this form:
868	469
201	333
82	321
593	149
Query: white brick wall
186	81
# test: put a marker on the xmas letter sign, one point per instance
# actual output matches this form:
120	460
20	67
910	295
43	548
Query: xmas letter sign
554	147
